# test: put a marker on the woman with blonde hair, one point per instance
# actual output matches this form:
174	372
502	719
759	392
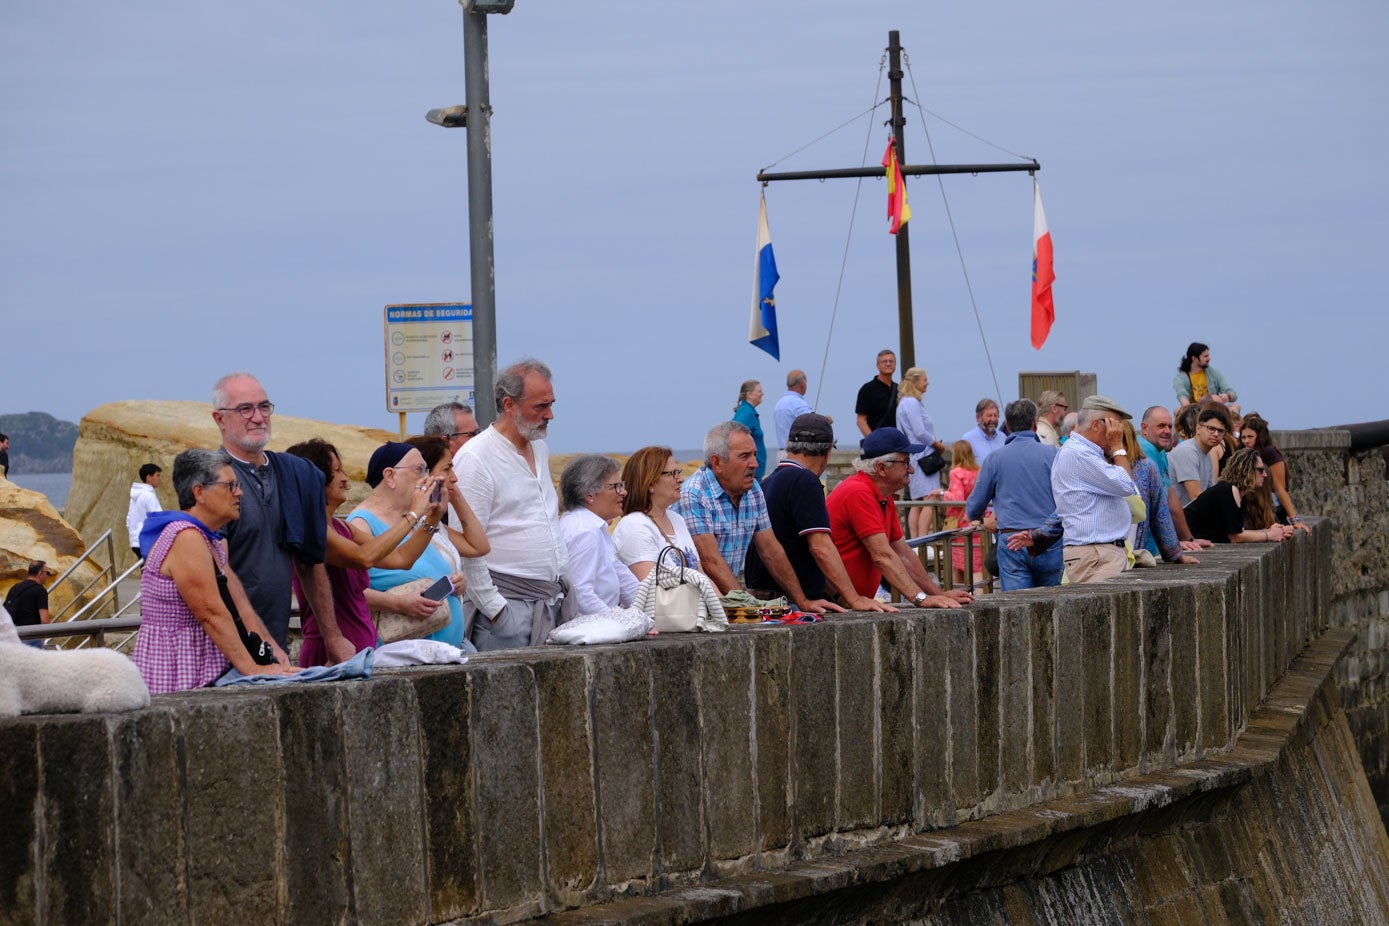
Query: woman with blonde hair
745	413
913	421
964	472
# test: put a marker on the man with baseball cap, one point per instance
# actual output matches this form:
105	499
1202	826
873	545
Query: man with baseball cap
867	532
796	507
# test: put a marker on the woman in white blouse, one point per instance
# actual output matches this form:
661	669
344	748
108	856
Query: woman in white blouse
591	495
653	478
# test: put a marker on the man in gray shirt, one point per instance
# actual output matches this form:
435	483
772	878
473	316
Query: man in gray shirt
1190	463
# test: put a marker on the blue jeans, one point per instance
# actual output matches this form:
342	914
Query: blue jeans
1020	569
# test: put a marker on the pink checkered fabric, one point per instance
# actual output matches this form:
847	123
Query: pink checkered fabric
172	650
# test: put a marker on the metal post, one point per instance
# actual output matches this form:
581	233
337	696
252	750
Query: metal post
907	351
480	255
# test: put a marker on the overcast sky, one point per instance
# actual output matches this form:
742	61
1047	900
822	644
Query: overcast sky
189	187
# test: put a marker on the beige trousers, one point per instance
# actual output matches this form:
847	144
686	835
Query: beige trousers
1094	562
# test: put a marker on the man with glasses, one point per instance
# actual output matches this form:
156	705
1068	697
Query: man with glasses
801	522
455	422
867	532
1051	411
518	592
1190	464
281	530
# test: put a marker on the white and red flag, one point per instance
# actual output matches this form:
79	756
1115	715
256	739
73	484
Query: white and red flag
1043	311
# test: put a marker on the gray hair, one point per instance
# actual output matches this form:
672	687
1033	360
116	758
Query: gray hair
219	388
512	383
1049	398
439	422
1068	424
1088	415
1150	412
584	475
870	465
716	441
197	468
810	448
983	404
745	390
1021	415
795	378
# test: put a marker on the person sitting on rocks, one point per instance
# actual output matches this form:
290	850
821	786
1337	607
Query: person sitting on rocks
1196	379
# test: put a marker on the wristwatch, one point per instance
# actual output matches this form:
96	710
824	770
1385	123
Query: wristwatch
1121	452
920	597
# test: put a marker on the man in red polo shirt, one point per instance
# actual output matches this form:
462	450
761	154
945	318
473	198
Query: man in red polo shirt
865	528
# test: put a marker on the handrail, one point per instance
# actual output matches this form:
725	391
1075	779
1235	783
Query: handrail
84	599
91	628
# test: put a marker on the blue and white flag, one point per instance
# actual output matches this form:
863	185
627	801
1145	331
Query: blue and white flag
762	330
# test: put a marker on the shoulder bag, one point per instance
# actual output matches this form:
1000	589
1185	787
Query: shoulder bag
930	462
676	594
392	626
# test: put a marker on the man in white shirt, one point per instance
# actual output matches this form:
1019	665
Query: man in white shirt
1092	483
517	591
790	407
143	501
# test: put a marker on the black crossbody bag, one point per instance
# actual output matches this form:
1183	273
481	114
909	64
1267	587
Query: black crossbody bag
261	651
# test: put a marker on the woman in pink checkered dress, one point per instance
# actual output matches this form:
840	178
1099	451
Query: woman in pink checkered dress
187	636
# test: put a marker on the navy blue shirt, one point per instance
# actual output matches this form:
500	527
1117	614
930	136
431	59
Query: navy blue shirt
796	506
1017	479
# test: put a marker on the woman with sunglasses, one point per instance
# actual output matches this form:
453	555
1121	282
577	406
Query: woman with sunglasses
591	495
1216	514
188	636
649	524
1254	434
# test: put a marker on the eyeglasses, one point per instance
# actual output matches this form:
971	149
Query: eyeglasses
618	486
233	485
671	472
473	433
903	462
247	409
1261	470
1061	405
419	469
1218	432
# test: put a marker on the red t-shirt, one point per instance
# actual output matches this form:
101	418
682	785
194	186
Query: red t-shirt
857	512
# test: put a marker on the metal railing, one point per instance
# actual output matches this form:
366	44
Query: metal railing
935	549
85	614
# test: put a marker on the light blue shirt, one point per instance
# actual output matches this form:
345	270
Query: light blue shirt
788	408
1090	494
982	445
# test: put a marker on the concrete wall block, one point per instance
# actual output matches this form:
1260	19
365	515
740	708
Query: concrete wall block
624	759
958	629
1069	691
1015	699
450	816
772	717
896	719
680	821
857	683
1236	653
313	753
570	815
724	667
814	731
504	726
1043	737
148	804
385	801
1095	614
79	857
1184	669
1127	696
1249	615
931	697
20	801
234	807
987	672
1213	666
1158	721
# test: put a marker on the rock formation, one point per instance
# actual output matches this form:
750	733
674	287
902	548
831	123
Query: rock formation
117	438
30	529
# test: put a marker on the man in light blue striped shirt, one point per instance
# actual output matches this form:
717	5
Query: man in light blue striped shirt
1092	483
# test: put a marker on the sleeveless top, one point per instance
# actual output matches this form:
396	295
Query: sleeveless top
431	565
349	607
172	651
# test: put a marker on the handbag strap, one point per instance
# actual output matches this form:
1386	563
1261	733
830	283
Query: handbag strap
224	590
679	570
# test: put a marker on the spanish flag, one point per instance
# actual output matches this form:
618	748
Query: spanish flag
898	212
1043	310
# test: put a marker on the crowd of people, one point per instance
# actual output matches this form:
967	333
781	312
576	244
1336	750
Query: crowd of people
1074	496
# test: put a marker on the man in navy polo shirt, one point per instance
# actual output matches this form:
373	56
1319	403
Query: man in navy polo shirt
796	507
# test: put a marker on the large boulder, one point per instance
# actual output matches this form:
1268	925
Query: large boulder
31	529
119	437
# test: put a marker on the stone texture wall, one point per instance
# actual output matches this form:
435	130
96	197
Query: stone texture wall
535	781
1352	490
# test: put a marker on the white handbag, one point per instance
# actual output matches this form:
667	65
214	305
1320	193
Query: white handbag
677	597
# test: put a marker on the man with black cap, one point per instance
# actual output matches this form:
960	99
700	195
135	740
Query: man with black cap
796	507
867	532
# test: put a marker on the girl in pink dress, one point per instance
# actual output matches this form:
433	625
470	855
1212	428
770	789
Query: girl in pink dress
964	471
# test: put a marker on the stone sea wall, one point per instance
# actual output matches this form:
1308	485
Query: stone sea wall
535	782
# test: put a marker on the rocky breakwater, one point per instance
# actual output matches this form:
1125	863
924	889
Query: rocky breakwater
30	529
118	437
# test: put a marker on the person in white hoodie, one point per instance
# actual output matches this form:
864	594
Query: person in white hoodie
142	502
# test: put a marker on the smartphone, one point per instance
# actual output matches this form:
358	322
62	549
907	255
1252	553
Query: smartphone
439	590
437	495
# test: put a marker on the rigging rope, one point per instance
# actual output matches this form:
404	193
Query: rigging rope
906	63
844	261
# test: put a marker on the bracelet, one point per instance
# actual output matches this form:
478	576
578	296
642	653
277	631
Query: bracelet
1295	520
429	528
1265	535
414	518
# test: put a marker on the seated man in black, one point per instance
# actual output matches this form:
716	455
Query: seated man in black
796	507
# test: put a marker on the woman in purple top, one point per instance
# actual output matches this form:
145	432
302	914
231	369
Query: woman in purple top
350	629
187	635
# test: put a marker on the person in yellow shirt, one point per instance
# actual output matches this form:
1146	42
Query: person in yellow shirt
1196	379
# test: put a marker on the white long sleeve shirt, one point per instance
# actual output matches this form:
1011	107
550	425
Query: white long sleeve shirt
1090	493
519	511
596	576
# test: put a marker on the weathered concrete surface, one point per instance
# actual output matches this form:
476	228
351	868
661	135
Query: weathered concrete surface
1352	490
537	782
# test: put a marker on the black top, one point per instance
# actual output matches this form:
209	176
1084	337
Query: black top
878	403
1213	515
25	600
796	505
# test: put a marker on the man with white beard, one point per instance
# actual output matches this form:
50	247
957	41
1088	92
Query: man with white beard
516	592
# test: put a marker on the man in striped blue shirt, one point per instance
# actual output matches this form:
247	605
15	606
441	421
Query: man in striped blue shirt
1092	483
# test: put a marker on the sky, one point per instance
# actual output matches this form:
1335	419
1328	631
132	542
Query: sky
189	188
